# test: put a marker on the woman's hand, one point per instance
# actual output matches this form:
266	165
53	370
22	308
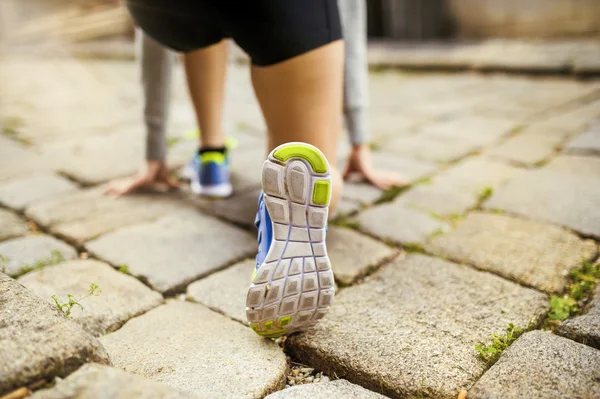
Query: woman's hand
153	175
360	162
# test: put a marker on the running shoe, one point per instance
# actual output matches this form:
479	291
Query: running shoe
292	286
209	174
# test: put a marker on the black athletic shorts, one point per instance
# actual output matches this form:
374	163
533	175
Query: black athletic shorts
270	31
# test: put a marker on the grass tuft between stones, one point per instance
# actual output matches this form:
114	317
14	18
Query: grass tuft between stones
55	258
345	221
491	353
3	262
484	194
582	283
72	300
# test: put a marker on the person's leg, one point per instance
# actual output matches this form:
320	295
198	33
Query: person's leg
353	15
205	70
156	66
301	100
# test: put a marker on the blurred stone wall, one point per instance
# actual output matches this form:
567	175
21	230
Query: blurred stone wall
525	18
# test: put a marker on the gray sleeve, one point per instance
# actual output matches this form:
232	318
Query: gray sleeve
156	63
353	15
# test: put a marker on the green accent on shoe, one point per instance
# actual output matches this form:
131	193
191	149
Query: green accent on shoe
314	157
253	274
284	321
254	327
321	192
217	157
268	325
272	334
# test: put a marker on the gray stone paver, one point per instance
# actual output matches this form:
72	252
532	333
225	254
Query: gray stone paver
585	328
353	254
432	147
19	193
361	192
527	148
565	199
89	213
587	143
533	253
577	164
195	350
121	298
542	365
239	209
39	341
17	160
458	188
226	290
399	224
29	251
412	327
96	381
176	249
97	159
11	225
326	390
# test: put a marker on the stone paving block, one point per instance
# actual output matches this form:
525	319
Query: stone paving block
37	341
542	365
121	298
353	255
99	158
346	207
411	328
442	196
362	192
17	160
481	130
576	164
19	193
433	147
479	173
536	254
527	148
458	188
11	225
587	143
239	209
96	381
246	168
176	249
89	213
399	224
225	291
585	328
24	252
573	121
326	390
410	169
570	200
198	351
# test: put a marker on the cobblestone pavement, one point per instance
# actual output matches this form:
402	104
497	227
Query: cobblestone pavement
500	221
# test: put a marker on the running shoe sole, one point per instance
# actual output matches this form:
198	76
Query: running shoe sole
294	287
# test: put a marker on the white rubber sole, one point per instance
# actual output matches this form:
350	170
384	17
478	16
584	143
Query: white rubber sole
294	287
215	191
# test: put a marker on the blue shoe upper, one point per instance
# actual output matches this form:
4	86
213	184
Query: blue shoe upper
210	168
265	231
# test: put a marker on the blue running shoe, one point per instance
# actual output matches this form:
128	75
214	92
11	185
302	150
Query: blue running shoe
292	286
209	174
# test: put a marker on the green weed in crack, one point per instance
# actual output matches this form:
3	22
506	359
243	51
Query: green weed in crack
55	258
73	301
492	351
